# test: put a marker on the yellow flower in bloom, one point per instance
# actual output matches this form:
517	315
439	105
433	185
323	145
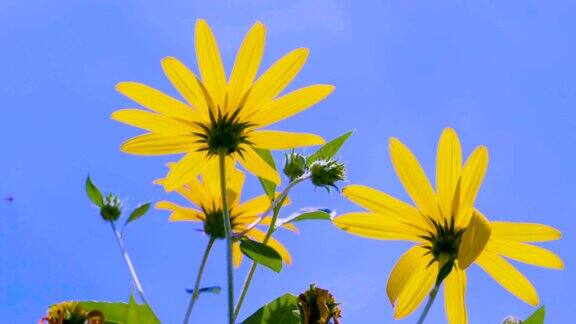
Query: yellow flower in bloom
450	234
204	193
220	114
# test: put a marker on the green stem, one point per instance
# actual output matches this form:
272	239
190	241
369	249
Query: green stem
131	268
228	229
271	229
429	303
196	292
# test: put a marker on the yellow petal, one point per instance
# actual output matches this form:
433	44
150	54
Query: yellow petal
382	203
159	144
524	232
254	206
508	277
236	254
292	103
192	191
235	184
403	271
186	82
188	167
258	235
417	288
471	180
448	168
473	240
274	80
246	65
414	179
276	140
254	164
455	296
156	100
151	121
180	213
210	63
377	226
526	253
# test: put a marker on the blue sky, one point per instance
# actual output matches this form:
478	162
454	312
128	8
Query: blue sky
500	73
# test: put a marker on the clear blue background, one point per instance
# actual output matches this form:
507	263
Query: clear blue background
501	74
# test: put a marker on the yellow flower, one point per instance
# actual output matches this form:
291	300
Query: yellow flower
204	193
450	234
219	114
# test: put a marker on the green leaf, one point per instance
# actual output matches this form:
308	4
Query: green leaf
308	213
262	254
328	150
138	212
268	186
279	311
537	317
123	313
94	193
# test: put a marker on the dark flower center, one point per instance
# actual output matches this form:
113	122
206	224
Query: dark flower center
225	132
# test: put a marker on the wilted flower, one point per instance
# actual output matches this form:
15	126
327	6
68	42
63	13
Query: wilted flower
318	306
71	312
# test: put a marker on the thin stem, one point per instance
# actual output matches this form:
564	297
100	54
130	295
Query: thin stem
131	268
429	303
228	229
196	292
271	230
274	204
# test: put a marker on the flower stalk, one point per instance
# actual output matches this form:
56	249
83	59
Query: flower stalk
431	298
196	291
228	230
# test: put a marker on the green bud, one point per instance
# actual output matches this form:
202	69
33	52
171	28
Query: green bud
111	208
511	320
295	165
318	306
326	173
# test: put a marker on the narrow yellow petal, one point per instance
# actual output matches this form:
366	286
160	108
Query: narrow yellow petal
473	240
258	235
235	184
508	277
246	65
151	121
277	140
382	203
448	168
236	254
210	63
524	232
274	80
254	164
180	213
186	82
159	144
188	167
527	253
414	179
191	191
471	180
292	103
403	270
156	100
417	288
378	226
455	297
254	206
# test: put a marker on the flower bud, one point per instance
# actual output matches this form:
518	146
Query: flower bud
327	173
511	320
317	306
111	208
295	165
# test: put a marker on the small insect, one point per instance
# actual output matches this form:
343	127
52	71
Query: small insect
9	199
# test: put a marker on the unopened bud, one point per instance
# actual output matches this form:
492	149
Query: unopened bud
111	208
511	320
327	173
295	165
318	306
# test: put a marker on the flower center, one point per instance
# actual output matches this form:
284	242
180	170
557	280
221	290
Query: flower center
445	241
225	132
214	224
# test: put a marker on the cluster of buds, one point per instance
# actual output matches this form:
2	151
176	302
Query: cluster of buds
318	306
71	313
322	173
